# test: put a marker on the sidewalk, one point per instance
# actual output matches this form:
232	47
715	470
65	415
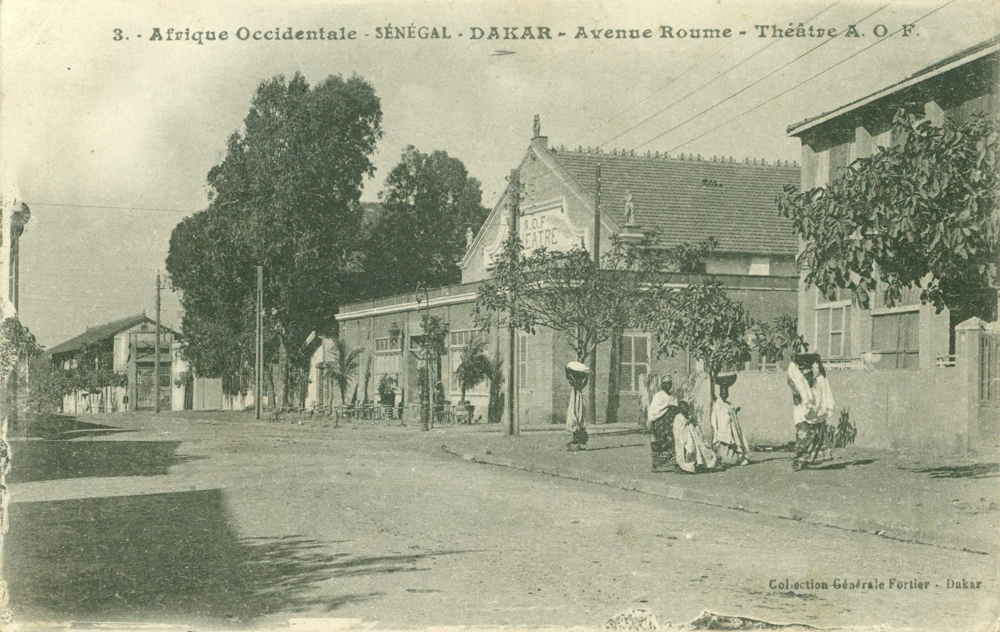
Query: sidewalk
942	501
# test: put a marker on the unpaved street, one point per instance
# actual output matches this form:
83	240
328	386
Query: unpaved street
213	522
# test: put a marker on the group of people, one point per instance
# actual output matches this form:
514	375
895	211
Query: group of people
676	432
677	439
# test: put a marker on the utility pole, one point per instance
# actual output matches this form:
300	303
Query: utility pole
259	346
513	427
156	353
597	264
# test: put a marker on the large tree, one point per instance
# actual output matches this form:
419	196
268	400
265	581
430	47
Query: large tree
419	234
921	214
285	197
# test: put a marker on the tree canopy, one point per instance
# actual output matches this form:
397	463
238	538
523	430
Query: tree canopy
419	235
566	292
286	197
921	214
702	320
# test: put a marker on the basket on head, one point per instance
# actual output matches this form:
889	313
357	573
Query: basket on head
577	374
805	360
726	379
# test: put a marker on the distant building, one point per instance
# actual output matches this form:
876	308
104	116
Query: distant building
126	346
909	335
683	198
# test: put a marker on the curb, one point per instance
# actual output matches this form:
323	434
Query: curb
888	530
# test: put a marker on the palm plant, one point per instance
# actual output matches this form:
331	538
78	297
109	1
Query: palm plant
343	368
475	367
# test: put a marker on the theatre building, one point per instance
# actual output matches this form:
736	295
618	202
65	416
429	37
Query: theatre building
682	198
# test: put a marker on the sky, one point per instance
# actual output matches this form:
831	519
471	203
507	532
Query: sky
109	141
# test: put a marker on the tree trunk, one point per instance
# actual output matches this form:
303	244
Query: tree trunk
614	379
592	388
281	387
269	374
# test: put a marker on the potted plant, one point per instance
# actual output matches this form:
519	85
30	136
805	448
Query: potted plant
475	368
387	390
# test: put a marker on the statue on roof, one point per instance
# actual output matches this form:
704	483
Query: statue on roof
469	235
629	209
537	128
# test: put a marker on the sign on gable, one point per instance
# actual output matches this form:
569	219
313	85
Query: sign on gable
543	226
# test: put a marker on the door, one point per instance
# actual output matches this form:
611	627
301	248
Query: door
144	389
524	391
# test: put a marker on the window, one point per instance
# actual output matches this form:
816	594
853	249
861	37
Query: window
385	345
760	362
458	341
833	325
896	340
910	296
461	338
388	359
634	361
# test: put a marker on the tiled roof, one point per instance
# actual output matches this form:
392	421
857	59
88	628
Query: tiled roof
101	332
689	200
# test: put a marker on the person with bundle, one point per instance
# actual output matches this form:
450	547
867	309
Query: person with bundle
693	453
727	434
577	375
812	403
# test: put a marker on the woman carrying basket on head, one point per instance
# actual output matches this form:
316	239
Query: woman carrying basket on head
660	415
727	434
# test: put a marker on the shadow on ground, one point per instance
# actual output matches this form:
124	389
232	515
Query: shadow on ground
54	427
975	470
842	465
169	557
46	460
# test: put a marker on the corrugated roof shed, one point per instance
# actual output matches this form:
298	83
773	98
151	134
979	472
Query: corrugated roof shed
689	200
101	332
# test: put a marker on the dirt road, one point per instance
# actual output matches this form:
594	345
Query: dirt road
218	523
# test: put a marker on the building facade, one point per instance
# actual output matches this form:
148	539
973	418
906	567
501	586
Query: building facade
126	346
908	335
684	199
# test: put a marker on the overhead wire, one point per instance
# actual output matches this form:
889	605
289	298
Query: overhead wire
117	208
747	87
722	74
802	83
652	94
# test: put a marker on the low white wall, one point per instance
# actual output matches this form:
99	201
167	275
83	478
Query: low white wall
911	410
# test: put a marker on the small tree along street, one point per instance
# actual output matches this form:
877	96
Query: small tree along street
286	196
921	214
567	293
703	321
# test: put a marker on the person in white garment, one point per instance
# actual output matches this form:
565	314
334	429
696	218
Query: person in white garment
577	375
727	435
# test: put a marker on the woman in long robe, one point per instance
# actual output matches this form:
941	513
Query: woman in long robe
812	403
660	415
727	434
693	453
